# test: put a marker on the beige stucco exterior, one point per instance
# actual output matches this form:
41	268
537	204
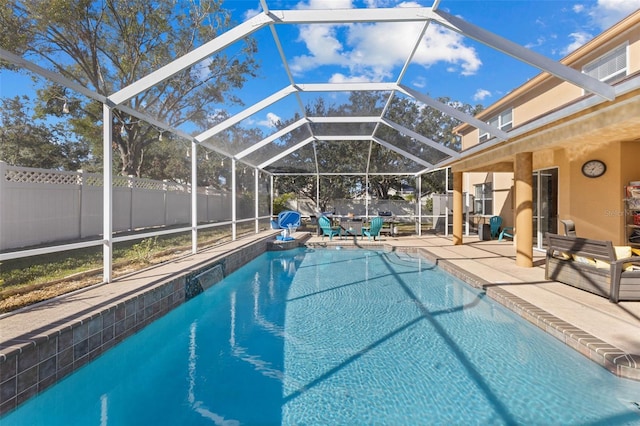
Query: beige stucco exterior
564	135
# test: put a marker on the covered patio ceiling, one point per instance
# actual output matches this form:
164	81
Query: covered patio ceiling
366	113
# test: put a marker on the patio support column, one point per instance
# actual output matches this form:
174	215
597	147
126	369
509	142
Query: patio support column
523	172
107	194
457	208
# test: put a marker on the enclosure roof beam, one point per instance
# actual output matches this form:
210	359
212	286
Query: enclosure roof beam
433	144
225	39
271	138
526	55
449	110
360	119
349	16
286	152
401	152
52	76
345	138
346	87
283	93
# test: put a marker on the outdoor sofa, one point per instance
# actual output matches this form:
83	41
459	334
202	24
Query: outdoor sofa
595	266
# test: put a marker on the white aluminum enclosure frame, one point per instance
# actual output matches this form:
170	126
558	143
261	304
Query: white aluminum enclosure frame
272	19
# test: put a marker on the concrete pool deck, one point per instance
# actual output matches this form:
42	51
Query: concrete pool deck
607	333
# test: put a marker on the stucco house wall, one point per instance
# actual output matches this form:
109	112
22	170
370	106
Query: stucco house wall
594	204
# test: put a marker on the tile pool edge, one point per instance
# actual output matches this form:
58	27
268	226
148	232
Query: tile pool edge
39	358
615	360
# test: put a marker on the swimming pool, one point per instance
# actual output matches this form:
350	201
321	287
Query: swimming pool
338	337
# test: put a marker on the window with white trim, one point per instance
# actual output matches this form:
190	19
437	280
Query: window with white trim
483	200
503	121
609	67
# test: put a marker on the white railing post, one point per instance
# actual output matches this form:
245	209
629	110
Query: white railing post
446	206
3	167
107	194
131	186
319	210
80	182
271	195
257	203
165	189
234	215
207	192
419	200
194	197
366	197
467	219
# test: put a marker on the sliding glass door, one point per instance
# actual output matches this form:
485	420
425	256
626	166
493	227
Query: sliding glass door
545	205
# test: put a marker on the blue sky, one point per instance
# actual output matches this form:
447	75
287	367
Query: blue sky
446	64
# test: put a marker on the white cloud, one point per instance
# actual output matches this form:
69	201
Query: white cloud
608	12
420	82
325	4
441	44
323	46
250	13
375	50
341	78
481	94
579	38
271	121
539	42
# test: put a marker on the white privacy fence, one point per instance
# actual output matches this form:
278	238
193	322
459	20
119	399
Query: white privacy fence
40	206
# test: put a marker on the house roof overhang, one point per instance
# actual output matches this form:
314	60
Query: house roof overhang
586	122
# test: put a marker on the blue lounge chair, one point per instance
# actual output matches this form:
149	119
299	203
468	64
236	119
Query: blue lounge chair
495	222
373	230
327	229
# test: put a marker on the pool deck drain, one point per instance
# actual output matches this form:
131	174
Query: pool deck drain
607	333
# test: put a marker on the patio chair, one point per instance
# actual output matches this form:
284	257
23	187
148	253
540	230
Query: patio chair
495	222
507	231
327	229
373	230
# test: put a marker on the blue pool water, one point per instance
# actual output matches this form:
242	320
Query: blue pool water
337	337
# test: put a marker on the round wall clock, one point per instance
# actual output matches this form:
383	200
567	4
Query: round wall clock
594	168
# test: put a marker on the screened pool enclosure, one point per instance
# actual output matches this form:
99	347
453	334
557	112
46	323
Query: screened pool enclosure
280	114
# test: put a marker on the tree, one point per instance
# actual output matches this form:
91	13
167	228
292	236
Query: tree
110	44
347	156
28	142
